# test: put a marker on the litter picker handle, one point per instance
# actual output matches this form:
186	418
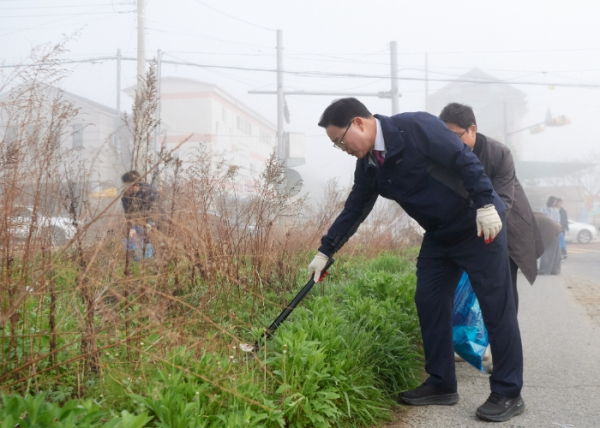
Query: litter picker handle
292	305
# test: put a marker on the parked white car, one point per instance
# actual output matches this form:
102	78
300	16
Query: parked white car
581	232
60	228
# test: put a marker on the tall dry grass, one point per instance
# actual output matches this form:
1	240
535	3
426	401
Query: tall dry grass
75	315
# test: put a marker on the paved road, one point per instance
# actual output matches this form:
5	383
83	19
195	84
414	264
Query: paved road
560	325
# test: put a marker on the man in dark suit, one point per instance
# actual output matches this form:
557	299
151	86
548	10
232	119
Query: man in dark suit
414	159
524	240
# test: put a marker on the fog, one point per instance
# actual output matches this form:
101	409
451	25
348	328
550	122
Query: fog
553	45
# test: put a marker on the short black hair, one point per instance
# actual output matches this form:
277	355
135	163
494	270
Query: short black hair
341	112
458	114
551	201
131	177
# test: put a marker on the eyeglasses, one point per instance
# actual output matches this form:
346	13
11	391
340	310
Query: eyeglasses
340	145
461	134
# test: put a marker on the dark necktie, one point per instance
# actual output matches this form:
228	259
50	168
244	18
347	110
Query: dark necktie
378	157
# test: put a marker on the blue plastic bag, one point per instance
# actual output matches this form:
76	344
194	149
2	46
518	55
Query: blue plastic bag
468	330
136	245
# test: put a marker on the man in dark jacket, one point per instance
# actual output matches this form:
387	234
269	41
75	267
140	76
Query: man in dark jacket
414	159
139	201
141	212
524	240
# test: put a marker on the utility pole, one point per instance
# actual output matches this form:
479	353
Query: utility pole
426	82
506	134
280	100
117	139
158	101
141	42
394	76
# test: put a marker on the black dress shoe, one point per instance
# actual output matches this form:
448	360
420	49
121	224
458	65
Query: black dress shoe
426	395
499	409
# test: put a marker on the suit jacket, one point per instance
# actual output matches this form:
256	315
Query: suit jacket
417	144
524	240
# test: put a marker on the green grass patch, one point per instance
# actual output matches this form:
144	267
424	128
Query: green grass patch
338	361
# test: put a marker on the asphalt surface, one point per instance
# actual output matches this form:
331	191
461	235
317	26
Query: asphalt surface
559	318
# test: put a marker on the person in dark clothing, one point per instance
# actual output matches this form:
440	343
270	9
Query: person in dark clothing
414	159
564	223
524	240
140	206
550	231
550	260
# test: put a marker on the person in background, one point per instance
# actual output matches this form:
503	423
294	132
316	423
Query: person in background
140	206
524	240
413	159
564	223
550	209
550	260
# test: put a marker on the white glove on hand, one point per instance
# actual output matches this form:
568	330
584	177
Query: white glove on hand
132	233
488	223
315	268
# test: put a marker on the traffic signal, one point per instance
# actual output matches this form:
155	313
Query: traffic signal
537	129
559	121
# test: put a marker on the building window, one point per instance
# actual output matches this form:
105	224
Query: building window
264	137
243	125
78	136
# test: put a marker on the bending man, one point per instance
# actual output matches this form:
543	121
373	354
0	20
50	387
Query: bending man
414	159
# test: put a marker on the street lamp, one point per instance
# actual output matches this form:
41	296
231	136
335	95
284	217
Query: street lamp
536	128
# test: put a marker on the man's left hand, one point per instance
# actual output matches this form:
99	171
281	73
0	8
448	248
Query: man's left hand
488	223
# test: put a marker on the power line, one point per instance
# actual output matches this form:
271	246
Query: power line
61	14
56	7
333	75
52	22
187	33
234	17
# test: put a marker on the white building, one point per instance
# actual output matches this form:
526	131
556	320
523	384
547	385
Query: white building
88	138
202	114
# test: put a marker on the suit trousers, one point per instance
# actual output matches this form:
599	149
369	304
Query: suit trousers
439	268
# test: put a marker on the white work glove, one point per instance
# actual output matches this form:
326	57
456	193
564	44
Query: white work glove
132	233
147	227
317	265
488	223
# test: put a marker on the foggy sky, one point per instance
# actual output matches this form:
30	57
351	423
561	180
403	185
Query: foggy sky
545	41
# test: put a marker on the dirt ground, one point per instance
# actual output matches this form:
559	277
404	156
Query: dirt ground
587	294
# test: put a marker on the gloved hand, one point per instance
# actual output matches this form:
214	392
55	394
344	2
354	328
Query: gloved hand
315	268
488	223
132	233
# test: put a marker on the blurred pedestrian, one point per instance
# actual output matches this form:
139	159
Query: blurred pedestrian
550	260
550	209
524	240
140	202
550	232
414	159
564	223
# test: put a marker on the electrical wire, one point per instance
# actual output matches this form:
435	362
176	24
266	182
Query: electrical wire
52	22
59	14
201	35
233	17
54	7
320	74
